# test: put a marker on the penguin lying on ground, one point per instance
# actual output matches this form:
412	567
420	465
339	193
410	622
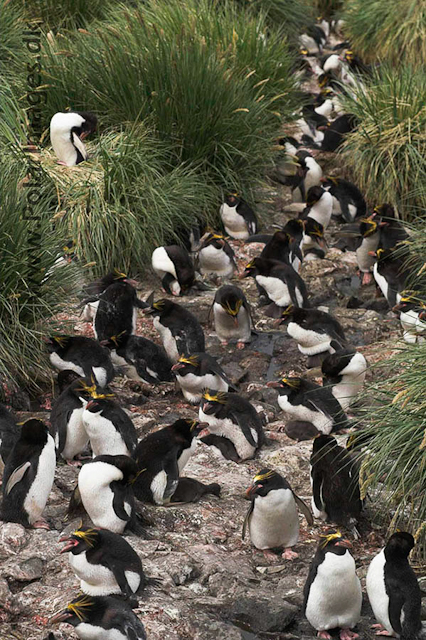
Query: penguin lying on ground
161	457
117	311
9	434
319	206
311	408
197	372
28	476
390	274
313	243
232	316
140	358
174	267
412	318
345	372
272	518
348	200
335	482
238	217
332	592
104	562
67	132
101	618
234	426
82	355
110	430
191	490
216	256
105	489
179	329
393	590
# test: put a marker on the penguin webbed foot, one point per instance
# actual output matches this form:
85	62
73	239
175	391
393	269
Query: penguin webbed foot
347	634
41	524
381	631
324	635
288	554
269	555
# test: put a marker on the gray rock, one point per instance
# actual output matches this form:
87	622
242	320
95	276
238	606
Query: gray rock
263	614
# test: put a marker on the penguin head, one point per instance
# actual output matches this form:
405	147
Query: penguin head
334	542
399	545
127	466
33	431
186	429
162	306
212	401
88	125
217	240
334	363
315	230
329	181
264	481
88	391
322	443
286	314
286	386
251	269
57	344
368	227
295	228
118	341
385	210
349	56
232	198
81	540
408	302
231	301
98	406
79	610
68	251
314	195
187	364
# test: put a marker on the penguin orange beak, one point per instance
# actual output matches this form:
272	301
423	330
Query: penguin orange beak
90	404
204	432
244	274
149	310
274	384
373	254
177	366
346	544
251	491
71	543
84	134
62	616
130	281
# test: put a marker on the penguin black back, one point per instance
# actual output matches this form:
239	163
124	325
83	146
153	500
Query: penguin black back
116	311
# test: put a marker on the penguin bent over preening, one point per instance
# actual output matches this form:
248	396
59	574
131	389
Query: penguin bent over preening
67	132
174	266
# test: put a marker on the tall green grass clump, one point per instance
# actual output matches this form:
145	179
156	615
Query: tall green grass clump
66	14
386	154
291	17
213	83
393	32
13	53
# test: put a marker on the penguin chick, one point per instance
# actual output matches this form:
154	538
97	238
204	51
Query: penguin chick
28	476
348	200
104	562
216	256
281	282
197	372
272	518
234	426
9	434
83	355
101	618
173	265
143	359
345	372
105	488
390	274
191	490
232	315
319	206
67	132
315	331
308	405
238	217
117	311
412	315
393	590
370	238
161	457
313	245
335	482
179	329
332	592
110	430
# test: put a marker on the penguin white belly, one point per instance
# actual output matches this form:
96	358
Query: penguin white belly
65	364
104	437
314	174
274	521
234	224
158	487
192	386
335	595
100	376
225	326
317	509
117	360
232	431
96	580
161	263
169	341
376	591
97	496
276	289
337	209
365	261
382	283
76	437
309	342
301	412
307	42
89	311
38	492
63	147
346	390
215	261
322	210
86	631
186	454
325	108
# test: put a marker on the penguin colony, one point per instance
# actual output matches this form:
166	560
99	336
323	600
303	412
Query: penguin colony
87	417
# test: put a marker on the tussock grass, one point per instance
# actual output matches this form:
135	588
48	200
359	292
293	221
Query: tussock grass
386	154
13	52
66	14
393	32
289	16
328	8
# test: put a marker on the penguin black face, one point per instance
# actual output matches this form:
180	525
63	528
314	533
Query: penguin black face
161	306
212	401
34	431
334	542
385	210
56	344
97	406
295	228
76	612
314	195
334	363
116	342
315	230
264	481
323	441
187	429
286	314
89	125
399	545
329	181
232	306
232	199
286	386
367	227
187	365
250	270
80	540
217	240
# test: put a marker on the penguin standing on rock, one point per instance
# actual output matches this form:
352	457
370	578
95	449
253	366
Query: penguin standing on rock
197	372
234	426
393	590
348	200
173	265
335	482
232	316
104	562
28	476
82	355
101	618
117	311
238	217
316	332
345	372
67	132
141	358
110	430
272	518
332	592
312	408
105	489
161	457
179	329
319	206
216	256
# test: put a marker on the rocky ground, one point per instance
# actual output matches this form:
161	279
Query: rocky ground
213	585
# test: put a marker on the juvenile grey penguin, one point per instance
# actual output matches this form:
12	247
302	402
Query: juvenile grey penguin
216	256
232	316
393	590
67	132
332	592
173	265
238	217
345	372
234	426
83	355
197	372
28	476
110	430
272	518
101	618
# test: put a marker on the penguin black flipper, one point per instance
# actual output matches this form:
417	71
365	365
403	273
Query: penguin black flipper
331	407
210	365
396	603
244	422
247	520
317	482
225	446
264	238
304	508
172	471
117	502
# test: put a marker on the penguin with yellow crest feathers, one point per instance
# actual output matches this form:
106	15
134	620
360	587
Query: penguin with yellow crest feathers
197	372
272	518
83	355
216	256
232	316
238	217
